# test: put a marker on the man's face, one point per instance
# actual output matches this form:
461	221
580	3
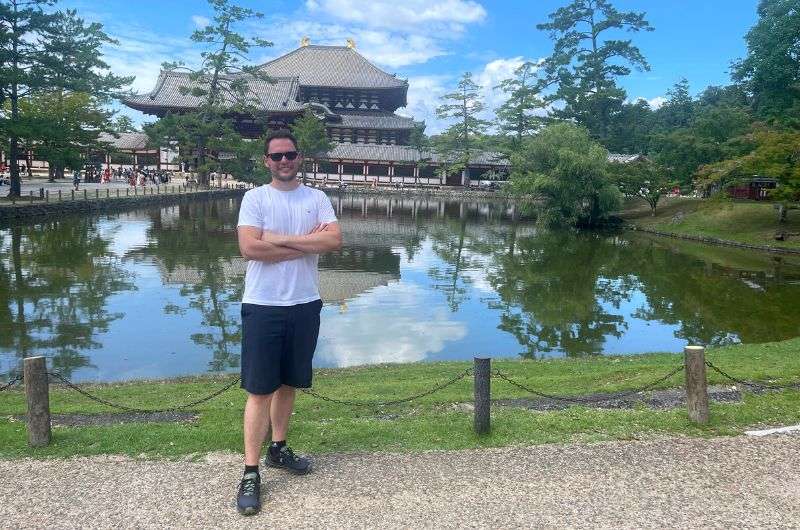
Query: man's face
284	169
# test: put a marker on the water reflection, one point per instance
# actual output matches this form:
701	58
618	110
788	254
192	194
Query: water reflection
417	279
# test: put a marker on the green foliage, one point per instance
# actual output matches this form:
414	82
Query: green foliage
49	55
644	178
517	116
586	62
567	170
459	141
775	154
64	128
311	137
770	73
630	129
222	81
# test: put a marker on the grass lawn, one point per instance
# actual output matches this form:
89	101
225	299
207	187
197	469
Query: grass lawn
746	222
439	421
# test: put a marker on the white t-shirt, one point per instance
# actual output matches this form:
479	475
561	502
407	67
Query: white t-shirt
295	213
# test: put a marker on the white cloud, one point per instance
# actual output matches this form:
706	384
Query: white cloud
442	14
655	103
200	21
385	325
424	92
423	98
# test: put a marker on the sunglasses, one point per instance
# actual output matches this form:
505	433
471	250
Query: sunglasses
276	157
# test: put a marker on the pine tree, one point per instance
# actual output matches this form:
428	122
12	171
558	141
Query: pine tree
517	115
584	64
312	138
463	135
222	82
51	57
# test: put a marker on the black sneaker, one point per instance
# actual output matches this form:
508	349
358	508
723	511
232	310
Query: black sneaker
286	459
248	500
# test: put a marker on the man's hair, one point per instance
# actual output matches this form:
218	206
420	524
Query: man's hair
279	134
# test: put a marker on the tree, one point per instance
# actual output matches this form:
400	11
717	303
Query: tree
770	73
222	82
775	153
630	130
123	124
567	170
678	110
64	128
21	23
462	136
420	142
311	137
584	64
645	179
517	116
57	53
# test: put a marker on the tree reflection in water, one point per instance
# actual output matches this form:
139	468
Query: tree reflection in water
55	280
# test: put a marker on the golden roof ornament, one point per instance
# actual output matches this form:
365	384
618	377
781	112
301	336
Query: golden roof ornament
305	41
351	44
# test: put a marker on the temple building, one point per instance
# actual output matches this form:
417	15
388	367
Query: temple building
357	101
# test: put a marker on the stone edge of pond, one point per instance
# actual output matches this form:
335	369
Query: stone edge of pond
713	240
106	204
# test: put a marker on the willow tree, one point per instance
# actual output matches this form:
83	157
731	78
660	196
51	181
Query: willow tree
222	82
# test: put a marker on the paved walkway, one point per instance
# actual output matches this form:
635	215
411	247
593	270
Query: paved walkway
678	483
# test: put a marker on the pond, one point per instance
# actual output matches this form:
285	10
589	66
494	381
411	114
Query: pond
155	292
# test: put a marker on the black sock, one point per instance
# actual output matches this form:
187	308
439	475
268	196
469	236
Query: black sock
251	469
275	447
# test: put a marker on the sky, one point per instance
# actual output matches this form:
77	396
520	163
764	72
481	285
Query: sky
430	42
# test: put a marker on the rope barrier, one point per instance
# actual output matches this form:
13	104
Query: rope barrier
589	399
111	404
375	404
11	382
750	384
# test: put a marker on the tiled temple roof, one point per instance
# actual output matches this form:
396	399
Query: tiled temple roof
331	66
129	141
374	121
402	153
278	96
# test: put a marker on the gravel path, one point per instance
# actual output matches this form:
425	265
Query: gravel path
722	482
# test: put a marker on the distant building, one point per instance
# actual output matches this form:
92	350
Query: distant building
356	99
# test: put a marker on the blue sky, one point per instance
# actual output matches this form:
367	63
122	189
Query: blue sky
432	42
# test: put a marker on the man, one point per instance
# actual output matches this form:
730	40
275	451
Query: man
283	227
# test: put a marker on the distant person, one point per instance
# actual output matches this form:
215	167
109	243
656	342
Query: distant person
283	228
76	179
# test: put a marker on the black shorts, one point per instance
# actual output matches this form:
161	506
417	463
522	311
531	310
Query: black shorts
278	343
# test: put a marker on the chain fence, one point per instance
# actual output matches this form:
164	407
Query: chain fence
378	404
589	399
76	388
581	400
750	384
11	382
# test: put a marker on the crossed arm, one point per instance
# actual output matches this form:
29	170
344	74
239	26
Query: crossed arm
261	245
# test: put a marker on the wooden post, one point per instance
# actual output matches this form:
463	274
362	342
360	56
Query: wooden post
85	194
47	196
73	194
117	193
38	393
483	368
59	195
696	384
97	193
